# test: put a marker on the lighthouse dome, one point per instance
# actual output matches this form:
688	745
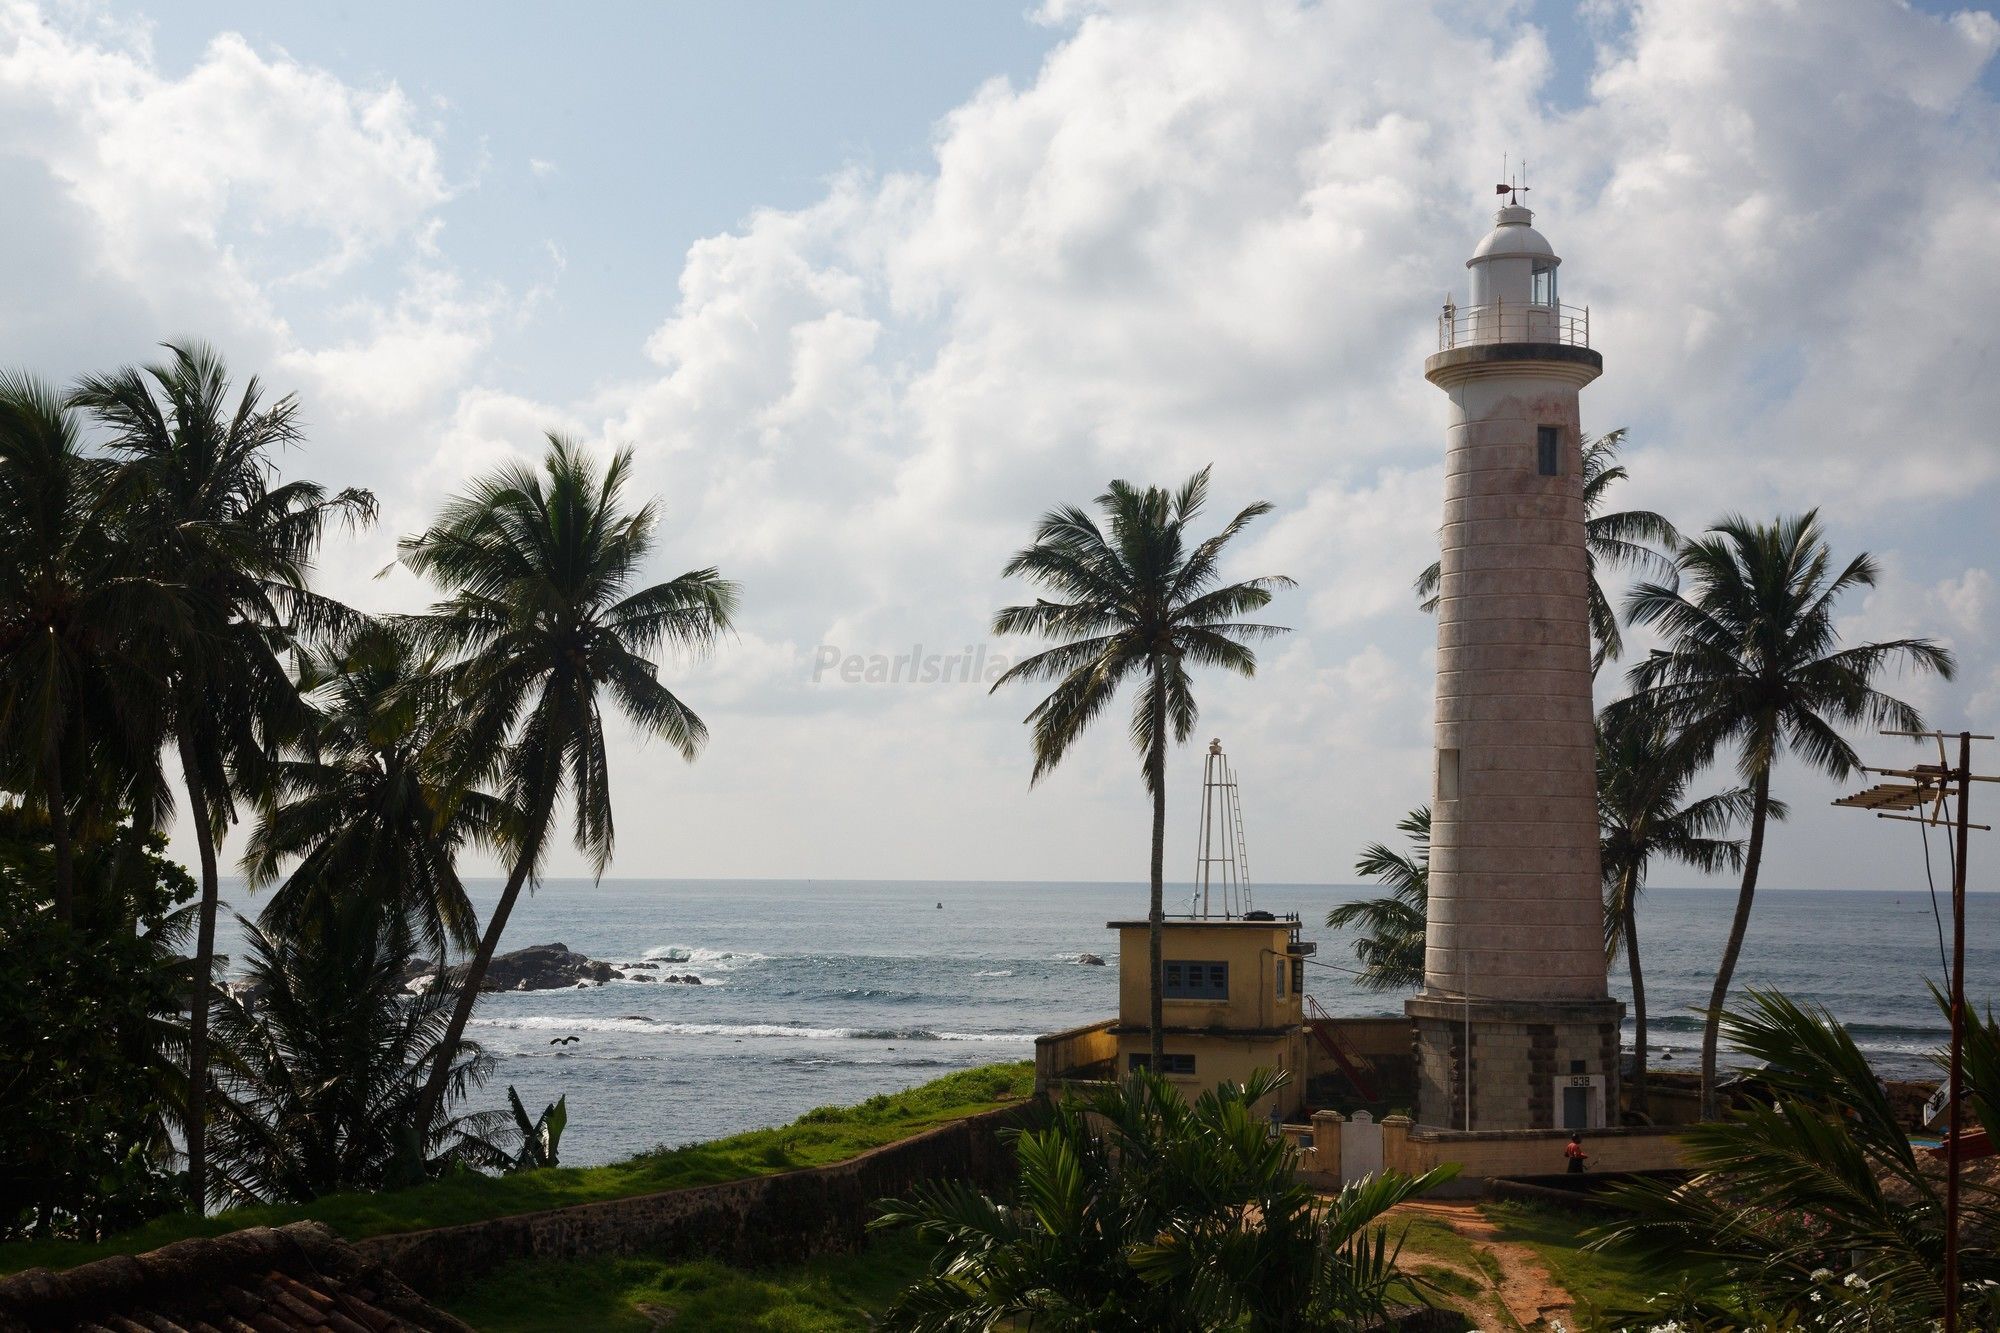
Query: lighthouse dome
1512	236
1514	265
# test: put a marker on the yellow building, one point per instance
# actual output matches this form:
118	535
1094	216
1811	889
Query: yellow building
1233	996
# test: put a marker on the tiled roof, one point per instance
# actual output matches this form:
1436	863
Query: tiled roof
295	1279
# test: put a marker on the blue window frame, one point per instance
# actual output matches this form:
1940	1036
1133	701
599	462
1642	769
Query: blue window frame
1185	980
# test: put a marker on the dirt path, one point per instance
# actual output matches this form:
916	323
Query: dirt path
1523	1289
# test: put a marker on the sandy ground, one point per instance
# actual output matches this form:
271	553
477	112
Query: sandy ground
1525	1296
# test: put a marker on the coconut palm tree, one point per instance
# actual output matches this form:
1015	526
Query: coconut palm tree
328	1055
204	508
368	808
1809	1207
1139	1211
543	623
1391	946
1629	539
1753	663
1142	602
1643	812
76	692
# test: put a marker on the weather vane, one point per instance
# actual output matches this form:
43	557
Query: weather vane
1509	187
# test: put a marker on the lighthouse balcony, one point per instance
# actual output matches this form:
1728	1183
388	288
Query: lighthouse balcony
1513	322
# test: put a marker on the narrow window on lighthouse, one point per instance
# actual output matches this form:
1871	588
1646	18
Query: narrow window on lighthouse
1548	450
1447	775
1543	289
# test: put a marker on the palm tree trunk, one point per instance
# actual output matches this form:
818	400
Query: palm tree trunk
204	968
1156	764
468	996
1752	855
59	836
1629	912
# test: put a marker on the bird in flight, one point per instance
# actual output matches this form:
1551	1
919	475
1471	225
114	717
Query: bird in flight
564	1041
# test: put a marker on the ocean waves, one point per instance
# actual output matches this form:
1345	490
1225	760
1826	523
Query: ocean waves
642	1025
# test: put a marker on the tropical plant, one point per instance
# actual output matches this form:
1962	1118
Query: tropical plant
75	690
1141	602
1629	539
202	505
369	805
541	1137
1752	663
1643	812
328	1052
1136	1210
1809	1207
542	622
90	1073
1390	948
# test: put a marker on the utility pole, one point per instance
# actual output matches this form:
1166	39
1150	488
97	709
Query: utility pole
1927	785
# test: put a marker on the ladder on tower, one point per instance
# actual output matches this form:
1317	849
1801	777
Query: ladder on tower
1350	1062
1222	857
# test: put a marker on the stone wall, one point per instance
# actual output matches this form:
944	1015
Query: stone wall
1484	1154
765	1219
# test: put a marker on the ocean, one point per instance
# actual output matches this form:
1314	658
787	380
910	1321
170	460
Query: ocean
827	992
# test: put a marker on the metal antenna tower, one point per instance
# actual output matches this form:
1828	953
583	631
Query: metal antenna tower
1222	857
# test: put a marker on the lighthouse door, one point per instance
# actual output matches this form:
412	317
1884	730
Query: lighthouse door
1576	1108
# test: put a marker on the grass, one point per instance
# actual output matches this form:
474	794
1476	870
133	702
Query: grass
829	1134
1599	1282
829	1295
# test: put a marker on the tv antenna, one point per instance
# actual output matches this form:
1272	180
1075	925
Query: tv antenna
1919	796
1510	187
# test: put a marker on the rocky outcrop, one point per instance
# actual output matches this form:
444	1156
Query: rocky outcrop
1090	960
546	967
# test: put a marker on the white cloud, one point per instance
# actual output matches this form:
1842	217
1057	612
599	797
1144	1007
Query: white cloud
1202	233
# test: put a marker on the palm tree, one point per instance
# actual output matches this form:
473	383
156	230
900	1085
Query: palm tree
1139	1211
326	1068
1391	949
1624	540
1752	662
1643	812
1138	602
543	621
203	506
75	691
368	809
1809	1207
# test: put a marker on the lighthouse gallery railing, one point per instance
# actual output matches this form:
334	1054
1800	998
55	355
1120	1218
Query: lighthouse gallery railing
1513	322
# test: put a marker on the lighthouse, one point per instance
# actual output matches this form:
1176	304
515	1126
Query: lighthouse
1514	1026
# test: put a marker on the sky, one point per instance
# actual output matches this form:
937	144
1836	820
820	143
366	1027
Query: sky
867	287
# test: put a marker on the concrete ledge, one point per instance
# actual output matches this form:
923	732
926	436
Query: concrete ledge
1584	364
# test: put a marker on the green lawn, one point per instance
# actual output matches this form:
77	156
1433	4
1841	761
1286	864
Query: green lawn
1599	1282
829	1295
830	1134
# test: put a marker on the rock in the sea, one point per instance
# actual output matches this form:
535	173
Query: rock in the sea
1090	960
641	977
546	967
629	967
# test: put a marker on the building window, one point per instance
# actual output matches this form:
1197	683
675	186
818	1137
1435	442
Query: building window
1298	976
1543	289
1194	981
1447	775
1170	1063
1548	450
1280	971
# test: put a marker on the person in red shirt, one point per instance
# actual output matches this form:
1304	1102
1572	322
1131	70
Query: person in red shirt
1576	1155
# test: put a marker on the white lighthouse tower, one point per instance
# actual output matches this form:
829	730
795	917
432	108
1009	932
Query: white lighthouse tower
1515	1029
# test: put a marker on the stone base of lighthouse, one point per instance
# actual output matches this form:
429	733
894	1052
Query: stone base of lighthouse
1525	1064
